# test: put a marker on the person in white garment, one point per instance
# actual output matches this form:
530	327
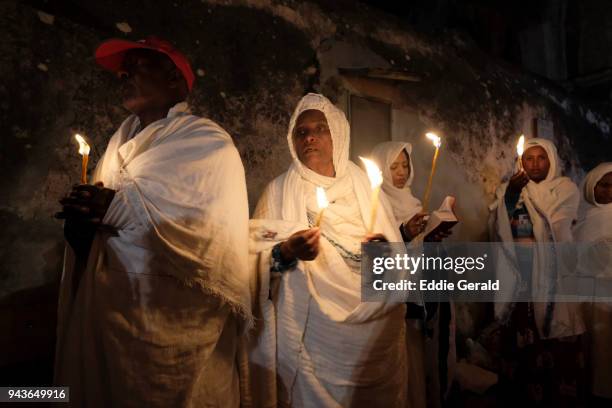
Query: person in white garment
154	293
317	344
393	158
431	355
537	205
594	227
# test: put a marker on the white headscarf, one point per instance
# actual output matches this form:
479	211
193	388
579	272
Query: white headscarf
555	198
591	180
553	157
595	221
404	204
340	134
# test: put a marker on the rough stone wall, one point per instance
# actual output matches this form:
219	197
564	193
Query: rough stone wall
254	59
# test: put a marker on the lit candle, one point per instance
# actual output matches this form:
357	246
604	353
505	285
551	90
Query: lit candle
376	180
520	146
435	139
322	203
83	151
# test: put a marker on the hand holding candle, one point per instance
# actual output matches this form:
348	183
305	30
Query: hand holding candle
435	139
376	180
83	151
322	203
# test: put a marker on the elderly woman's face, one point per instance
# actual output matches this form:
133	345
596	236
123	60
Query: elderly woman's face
400	169
603	189
536	163
313	142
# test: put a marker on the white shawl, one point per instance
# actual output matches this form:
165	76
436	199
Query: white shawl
158	304
595	226
552	205
175	176
405	205
595	219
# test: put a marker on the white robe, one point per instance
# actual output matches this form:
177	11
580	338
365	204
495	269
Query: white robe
316	339
552	205
595	226
159	308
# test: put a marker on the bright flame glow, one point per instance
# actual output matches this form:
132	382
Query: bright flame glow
435	139
374	173
520	146
83	146
321	198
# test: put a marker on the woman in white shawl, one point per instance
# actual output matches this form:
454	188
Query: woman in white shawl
395	161
595	226
537	205
328	349
393	158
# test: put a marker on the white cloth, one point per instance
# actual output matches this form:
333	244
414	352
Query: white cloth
405	205
552	205
331	350
595	226
160	306
594	221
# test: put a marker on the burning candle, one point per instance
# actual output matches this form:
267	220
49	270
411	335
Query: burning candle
435	139
322	203
83	151
520	146
376	180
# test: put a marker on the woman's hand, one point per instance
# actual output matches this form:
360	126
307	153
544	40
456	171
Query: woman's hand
303	245
415	225
518	181
83	210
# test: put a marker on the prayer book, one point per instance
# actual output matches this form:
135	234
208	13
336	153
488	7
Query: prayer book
443	219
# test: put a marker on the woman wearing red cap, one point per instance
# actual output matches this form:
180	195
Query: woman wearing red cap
149	315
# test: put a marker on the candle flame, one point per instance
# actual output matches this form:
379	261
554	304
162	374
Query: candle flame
374	173
435	139
520	146
321	198
83	146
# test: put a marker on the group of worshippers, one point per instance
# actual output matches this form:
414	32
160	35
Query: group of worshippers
171	296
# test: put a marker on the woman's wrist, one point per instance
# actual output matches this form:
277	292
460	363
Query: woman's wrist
279	263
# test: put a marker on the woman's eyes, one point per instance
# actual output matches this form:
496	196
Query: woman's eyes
318	130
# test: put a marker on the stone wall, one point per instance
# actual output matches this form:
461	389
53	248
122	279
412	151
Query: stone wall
254	59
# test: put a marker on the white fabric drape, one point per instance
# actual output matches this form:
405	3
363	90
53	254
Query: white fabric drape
405	205
593	223
552	205
595	227
163	302
331	350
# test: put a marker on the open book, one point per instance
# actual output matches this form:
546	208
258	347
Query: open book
443	219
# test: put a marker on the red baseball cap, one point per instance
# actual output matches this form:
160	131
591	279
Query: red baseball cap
110	54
